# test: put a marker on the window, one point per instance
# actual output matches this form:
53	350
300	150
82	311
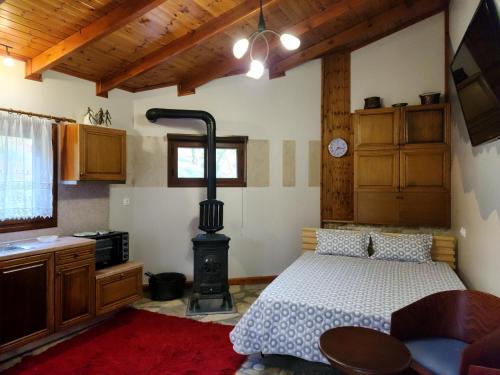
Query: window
187	156
28	173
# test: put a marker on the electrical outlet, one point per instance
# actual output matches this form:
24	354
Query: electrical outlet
126	201
463	232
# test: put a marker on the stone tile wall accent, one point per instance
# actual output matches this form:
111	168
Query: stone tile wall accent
314	163
289	163
258	163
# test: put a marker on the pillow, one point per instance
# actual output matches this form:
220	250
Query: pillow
402	247
342	242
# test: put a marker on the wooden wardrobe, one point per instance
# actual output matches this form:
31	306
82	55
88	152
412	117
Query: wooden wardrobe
402	166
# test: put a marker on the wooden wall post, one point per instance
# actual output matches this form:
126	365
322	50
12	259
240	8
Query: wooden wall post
337	174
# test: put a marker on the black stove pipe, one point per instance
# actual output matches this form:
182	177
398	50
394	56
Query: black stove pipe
154	114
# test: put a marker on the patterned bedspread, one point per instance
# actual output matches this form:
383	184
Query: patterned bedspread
319	292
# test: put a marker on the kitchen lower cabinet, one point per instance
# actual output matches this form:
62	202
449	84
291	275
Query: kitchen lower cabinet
59	288
75	293
118	286
26	300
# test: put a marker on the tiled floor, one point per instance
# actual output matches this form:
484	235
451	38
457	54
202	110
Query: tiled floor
243	296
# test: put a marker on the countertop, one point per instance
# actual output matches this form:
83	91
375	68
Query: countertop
31	246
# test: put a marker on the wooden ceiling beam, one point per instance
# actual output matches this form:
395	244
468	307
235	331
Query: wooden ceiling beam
364	33
110	22
233	66
179	45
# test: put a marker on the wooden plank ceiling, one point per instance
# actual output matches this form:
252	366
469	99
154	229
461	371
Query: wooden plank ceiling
139	45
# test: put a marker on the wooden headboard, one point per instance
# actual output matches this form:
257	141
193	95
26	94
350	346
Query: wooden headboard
443	247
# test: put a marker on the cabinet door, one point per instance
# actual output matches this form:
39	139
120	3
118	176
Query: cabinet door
118	290
376	208
26	300
376	128
425	209
74	293
425	169
425	124
102	154
376	170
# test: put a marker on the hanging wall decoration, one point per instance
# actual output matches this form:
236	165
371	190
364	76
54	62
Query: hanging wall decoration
99	118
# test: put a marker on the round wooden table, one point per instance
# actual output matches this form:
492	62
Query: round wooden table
357	350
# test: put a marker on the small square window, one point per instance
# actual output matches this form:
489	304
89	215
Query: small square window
190	162
187	161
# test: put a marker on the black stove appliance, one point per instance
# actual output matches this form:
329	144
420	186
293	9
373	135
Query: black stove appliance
210	249
111	248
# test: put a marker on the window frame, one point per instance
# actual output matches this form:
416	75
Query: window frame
17	225
176	141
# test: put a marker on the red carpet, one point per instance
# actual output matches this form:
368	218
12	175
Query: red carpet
140	342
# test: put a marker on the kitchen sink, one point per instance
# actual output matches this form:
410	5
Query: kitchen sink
10	247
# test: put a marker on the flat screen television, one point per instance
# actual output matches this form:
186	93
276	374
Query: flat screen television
476	74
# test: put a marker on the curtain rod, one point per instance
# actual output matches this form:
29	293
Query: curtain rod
57	119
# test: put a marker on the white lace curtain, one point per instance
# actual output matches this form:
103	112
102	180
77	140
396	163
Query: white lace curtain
26	166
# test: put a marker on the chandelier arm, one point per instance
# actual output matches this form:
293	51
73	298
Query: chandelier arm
273	32
261	35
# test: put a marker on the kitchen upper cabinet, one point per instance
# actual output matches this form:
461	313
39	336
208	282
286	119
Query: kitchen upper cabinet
92	153
376	128
75	293
425	169
26	300
376	170
424	209
372	207
402	166
425	124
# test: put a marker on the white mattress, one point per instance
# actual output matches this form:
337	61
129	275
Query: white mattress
319	292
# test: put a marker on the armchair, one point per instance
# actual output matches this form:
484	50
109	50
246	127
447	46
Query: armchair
450	331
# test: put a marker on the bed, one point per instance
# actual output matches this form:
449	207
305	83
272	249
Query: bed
319	292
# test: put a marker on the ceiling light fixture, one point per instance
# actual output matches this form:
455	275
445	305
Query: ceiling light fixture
240	48
7	60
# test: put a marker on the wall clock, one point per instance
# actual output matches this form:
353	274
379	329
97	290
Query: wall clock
337	147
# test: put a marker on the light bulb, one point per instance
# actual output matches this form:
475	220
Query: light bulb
290	42
8	61
256	69
240	48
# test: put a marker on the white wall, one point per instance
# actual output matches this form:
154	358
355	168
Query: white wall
263	222
86	206
475	181
400	66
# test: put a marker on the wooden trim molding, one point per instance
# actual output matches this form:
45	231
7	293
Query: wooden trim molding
337	174
443	247
252	280
103	26
179	45
234	66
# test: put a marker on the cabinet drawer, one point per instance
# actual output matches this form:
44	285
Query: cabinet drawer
74	255
118	289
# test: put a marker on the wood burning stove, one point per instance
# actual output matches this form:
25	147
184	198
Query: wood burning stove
210	249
